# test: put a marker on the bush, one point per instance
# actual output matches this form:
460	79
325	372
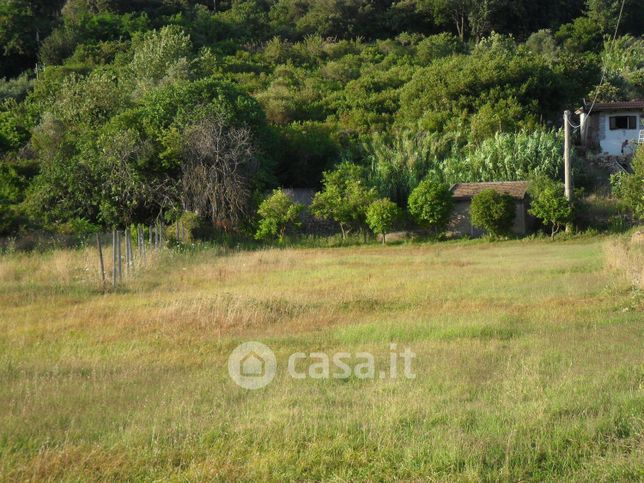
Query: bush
493	212
549	204
629	188
381	217
278	213
431	204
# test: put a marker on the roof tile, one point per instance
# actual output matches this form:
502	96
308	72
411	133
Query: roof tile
466	191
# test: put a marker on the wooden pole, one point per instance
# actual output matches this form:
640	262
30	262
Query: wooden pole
101	264
114	263
143	241
128	251
120	260
567	172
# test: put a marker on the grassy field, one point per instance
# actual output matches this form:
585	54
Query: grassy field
529	365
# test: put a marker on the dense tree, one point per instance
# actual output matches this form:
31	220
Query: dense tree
493	212
430	204
549	204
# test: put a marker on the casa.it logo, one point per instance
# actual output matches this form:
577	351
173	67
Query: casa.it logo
252	365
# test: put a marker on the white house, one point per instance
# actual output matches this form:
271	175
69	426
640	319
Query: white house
612	128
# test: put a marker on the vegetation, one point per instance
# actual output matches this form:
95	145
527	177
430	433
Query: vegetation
381	216
277	214
539	356
345	198
493	212
548	203
629	187
431	204
101	101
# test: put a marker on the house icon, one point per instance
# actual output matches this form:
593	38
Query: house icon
252	365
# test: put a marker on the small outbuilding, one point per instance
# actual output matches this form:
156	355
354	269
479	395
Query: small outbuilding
612	128
462	194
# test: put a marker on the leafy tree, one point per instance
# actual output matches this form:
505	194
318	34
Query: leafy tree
439	46
549	204
277	214
431	204
381	217
344	198
493	212
160	57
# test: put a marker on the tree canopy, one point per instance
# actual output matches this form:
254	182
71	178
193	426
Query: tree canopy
99	98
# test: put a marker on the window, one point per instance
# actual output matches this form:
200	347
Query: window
623	122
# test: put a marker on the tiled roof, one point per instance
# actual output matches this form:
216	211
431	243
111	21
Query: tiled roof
466	191
614	106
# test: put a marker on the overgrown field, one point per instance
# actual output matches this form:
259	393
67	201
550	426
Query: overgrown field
529	365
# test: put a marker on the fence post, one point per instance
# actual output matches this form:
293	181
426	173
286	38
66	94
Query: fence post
143	241
114	263
128	251
101	264
120	260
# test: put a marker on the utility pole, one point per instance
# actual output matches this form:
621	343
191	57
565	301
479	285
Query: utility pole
567	173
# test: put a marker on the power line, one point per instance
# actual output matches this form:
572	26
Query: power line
601	82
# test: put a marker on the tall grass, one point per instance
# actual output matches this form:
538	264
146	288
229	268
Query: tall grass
529	366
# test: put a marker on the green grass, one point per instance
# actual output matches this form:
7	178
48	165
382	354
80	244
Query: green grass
529	365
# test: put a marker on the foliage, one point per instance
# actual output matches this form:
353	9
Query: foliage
398	163
549	204
629	188
345	197
431	204
493	212
444	88
381	217
277	214
509	157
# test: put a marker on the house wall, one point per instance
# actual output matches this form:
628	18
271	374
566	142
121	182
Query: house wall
460	223
610	141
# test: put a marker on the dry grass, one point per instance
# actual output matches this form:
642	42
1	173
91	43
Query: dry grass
625	256
529	365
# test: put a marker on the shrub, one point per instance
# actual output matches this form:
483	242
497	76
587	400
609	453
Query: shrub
493	212
278	213
381	217
430	204
629	188
550	205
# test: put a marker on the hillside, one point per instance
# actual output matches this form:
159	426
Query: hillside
102	99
